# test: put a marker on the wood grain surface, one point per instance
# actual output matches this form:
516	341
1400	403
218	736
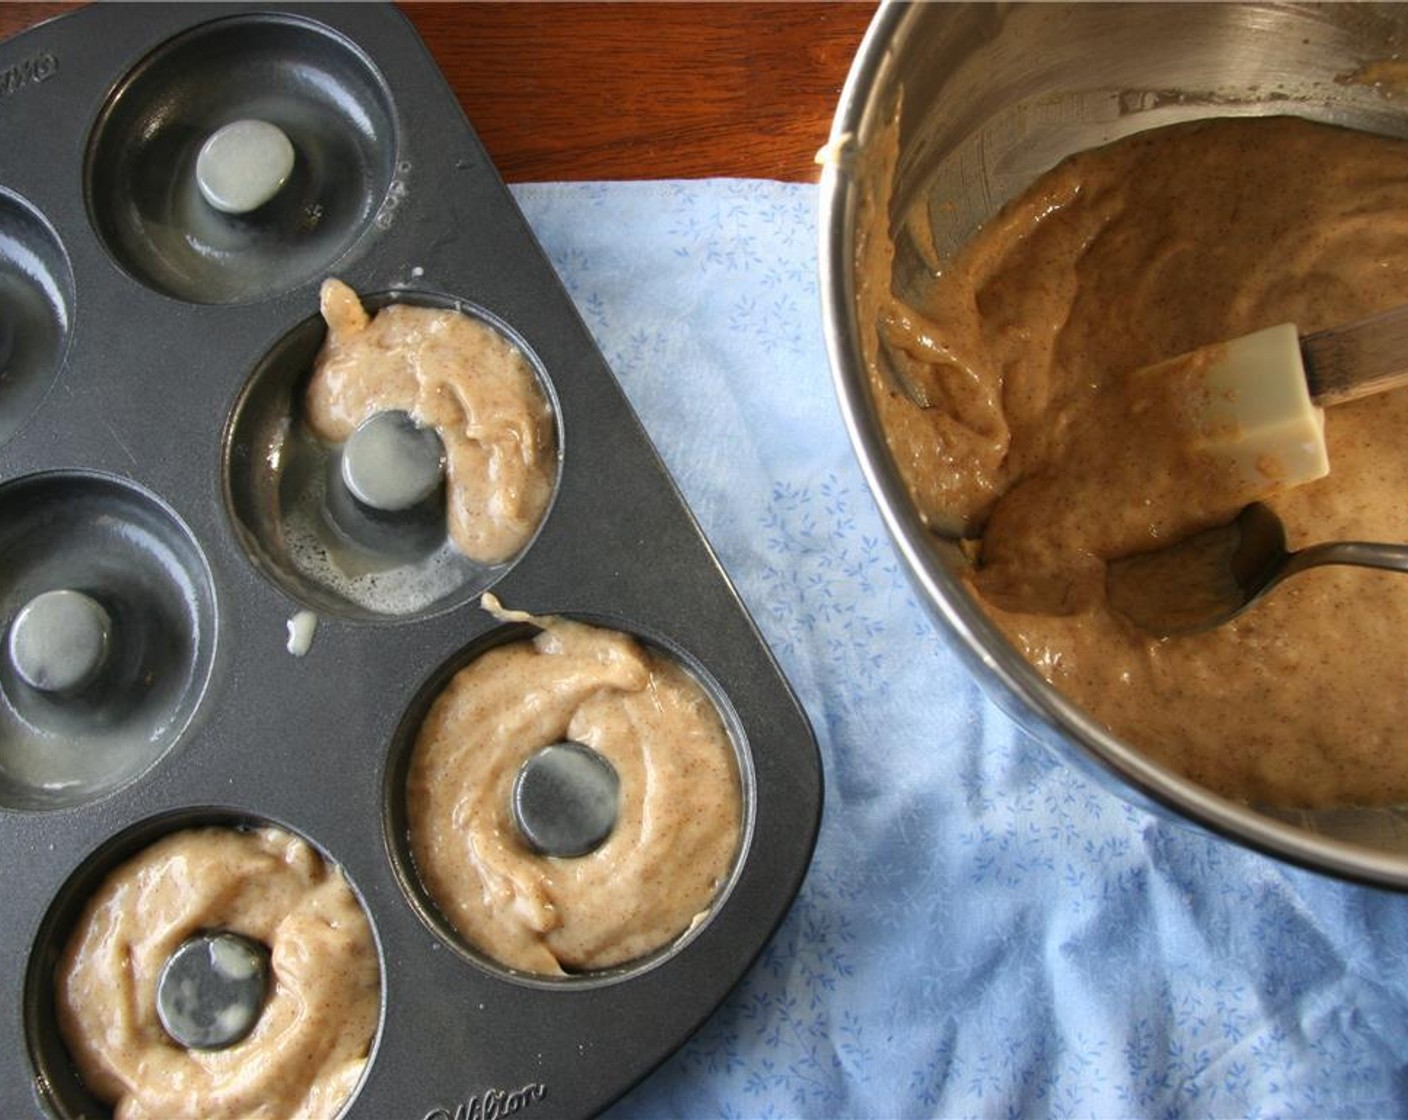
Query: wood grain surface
642	90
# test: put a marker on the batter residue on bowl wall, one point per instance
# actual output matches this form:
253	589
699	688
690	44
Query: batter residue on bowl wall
310	1045
1116	259
680	820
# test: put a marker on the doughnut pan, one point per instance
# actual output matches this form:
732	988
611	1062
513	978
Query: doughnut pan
150	372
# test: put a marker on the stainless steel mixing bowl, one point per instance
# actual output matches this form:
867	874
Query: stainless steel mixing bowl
990	96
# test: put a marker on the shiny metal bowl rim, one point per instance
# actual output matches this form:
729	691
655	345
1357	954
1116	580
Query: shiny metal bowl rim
1004	674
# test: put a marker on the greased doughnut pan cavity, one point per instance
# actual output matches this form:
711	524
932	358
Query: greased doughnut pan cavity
155	351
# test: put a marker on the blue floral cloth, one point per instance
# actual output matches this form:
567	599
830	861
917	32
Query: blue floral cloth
982	932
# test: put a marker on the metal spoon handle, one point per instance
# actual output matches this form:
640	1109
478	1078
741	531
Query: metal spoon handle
1363	554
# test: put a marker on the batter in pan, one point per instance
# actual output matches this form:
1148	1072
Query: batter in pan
680	805
454	373
310	1044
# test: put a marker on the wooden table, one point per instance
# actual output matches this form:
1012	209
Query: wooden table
649	90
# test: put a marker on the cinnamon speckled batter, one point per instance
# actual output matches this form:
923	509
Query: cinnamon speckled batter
680	820
310	1045
1116	259
463	378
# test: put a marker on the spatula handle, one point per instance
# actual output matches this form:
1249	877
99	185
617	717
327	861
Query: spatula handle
1370	356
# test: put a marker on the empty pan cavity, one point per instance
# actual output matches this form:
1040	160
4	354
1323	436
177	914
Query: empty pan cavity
36	308
189	184
109	632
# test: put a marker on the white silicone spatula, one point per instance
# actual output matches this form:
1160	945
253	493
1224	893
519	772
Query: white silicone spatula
1267	390
1263	410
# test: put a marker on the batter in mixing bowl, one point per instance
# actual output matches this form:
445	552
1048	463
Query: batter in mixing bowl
1118	258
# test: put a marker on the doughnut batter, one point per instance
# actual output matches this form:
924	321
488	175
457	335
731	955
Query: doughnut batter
463	378
680	818
1116	259
305	1055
